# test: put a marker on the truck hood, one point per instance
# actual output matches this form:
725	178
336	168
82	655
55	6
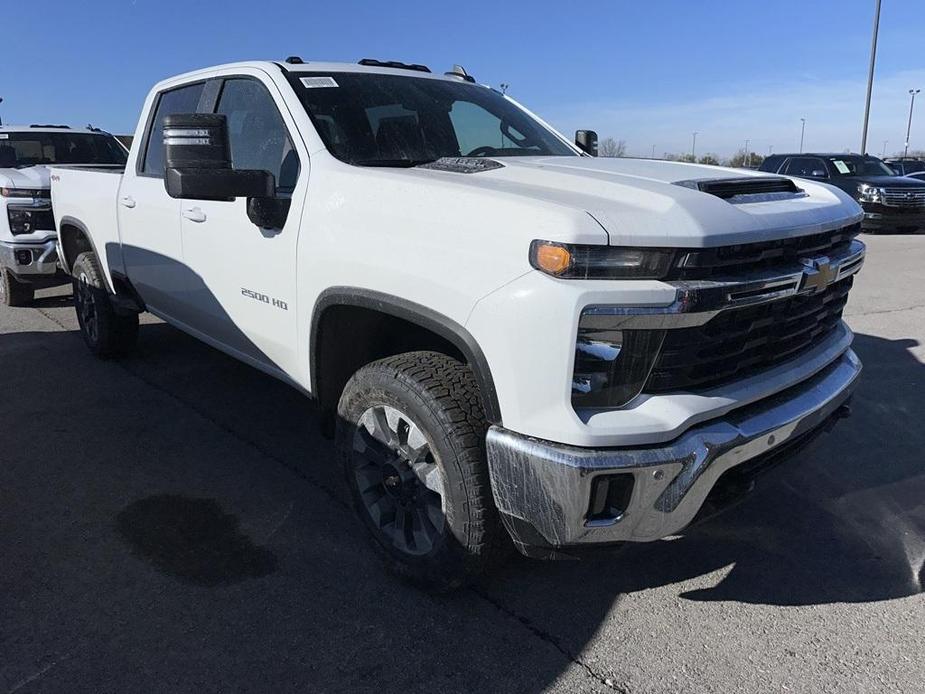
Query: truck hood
29	177
639	202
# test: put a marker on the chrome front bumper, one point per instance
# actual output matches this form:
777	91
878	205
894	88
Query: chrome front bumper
543	490
43	258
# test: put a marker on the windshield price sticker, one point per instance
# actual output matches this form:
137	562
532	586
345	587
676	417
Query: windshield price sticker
314	82
841	166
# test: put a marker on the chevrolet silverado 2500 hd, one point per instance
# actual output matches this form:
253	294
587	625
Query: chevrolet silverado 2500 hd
28	259
514	338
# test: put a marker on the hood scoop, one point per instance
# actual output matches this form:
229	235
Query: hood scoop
466	165
747	189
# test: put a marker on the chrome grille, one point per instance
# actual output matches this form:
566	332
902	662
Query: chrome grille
904	197
742	342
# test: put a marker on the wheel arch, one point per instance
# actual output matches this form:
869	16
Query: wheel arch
73	239
328	382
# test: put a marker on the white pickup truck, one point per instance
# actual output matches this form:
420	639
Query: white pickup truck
515	340
28	259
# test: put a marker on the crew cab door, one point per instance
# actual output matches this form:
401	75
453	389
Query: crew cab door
149	219
243	298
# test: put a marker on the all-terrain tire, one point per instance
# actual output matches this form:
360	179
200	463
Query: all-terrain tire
105	332
13	292
429	394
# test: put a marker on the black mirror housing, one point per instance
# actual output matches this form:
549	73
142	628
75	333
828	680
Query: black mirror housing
198	161
586	141
218	184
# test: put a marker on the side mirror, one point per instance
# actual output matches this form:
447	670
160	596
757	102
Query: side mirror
198	161
268	213
586	141
818	173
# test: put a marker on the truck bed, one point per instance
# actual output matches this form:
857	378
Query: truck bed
89	194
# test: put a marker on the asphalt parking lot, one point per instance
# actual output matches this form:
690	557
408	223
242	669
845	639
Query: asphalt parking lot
175	522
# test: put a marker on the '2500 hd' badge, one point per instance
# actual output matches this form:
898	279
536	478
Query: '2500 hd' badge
251	294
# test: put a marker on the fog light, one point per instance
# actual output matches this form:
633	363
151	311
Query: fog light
610	498
24	257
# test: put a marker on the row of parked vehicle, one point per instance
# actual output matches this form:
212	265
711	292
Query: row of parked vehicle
514	343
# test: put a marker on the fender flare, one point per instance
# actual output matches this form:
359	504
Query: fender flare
415	313
66	262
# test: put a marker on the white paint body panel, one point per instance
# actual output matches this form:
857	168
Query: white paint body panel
454	243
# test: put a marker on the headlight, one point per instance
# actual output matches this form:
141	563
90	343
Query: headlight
868	193
574	261
21	221
28	219
611	366
44	193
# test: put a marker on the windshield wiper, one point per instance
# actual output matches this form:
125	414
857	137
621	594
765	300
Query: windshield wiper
395	163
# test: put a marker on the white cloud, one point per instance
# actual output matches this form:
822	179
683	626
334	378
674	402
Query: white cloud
766	114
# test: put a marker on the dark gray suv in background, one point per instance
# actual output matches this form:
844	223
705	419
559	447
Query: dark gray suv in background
891	202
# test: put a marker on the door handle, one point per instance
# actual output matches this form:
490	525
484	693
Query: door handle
127	201
194	215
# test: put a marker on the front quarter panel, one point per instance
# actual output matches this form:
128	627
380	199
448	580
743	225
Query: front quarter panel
420	237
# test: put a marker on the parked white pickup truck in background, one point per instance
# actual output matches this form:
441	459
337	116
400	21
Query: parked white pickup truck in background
28	259
513	335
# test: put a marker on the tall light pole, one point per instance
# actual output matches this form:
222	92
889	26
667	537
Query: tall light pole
747	158
884	149
802	133
653	151
1	101
770	150
913	92
694	147
870	76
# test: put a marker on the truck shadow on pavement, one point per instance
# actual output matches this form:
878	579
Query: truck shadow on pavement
179	497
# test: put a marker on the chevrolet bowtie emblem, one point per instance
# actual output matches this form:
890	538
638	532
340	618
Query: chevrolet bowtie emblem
818	274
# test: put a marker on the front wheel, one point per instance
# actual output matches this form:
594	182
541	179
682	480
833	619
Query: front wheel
106	333
411	437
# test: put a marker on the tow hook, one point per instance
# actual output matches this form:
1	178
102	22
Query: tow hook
844	411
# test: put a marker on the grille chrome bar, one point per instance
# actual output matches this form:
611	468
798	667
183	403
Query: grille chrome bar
904	197
697	302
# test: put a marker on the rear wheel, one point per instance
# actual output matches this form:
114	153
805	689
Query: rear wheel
105	332
13	292
411	436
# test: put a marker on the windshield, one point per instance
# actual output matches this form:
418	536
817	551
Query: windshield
856	166
22	149
373	119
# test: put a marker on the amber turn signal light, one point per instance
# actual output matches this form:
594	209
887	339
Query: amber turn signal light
551	258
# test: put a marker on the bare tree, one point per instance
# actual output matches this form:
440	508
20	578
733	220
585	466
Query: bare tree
745	160
612	148
710	159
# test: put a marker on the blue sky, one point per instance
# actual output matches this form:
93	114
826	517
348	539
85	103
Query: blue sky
649	72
